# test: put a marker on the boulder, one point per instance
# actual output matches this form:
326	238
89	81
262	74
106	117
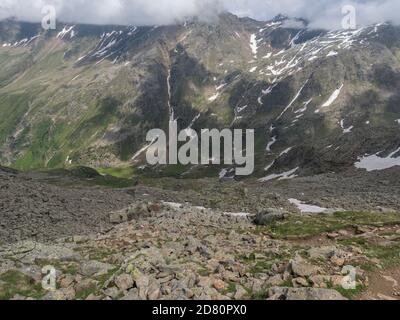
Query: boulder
138	210
322	252
124	282
301	268
118	217
240	293
92	267
133	295
276	280
269	216
154	291
219	285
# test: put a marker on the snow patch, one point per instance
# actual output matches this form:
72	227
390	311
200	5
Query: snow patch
237	214
294	100
332	54
376	163
173	205
306	208
241	109
269	166
253	69
268	90
333	97
286	151
346	130
224	172
281	176
305	106
254	44
271	143
66	31
214	97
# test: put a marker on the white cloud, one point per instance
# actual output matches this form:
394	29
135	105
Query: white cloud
321	13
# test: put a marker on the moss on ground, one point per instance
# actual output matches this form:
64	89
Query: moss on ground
309	226
14	282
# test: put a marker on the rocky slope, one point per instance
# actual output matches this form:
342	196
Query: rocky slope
198	239
319	101
183	252
48	205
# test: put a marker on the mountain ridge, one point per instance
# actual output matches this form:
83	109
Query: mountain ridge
87	95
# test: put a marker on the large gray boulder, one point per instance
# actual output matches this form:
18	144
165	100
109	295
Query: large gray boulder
269	216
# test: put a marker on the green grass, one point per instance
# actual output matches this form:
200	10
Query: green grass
348	293
66	268
309	226
231	288
121	172
95	288
260	263
388	254
14	282
18	103
85	176
83	294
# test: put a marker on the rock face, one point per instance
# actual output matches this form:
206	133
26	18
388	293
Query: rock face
300	268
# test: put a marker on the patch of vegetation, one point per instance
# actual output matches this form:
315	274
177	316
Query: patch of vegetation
121	172
103	278
260	263
85	176
67	268
86	292
101	254
387	253
231	288
204	272
261	296
14	282
348	293
309	226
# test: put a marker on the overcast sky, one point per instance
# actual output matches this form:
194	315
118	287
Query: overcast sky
321	13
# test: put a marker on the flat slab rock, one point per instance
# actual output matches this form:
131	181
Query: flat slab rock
283	293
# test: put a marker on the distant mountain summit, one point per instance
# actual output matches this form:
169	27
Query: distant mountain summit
319	100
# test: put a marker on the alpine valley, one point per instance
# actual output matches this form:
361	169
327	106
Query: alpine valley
87	95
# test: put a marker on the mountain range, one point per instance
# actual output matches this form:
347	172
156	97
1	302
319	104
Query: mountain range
319	101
